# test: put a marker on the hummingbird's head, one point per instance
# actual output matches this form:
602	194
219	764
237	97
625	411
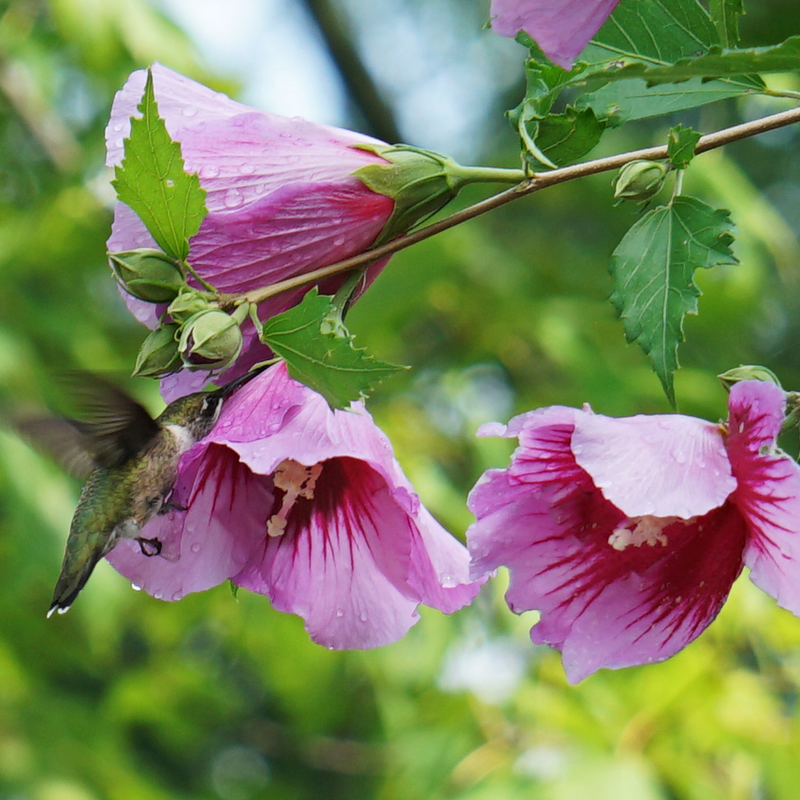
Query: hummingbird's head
197	413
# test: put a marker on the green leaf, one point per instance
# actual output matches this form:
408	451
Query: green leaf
153	182
725	15
653	271
322	354
681	143
551	140
653	34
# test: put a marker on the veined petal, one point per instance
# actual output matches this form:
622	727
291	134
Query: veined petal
663	465
209	542
342	562
609	607
562	28
769	490
440	566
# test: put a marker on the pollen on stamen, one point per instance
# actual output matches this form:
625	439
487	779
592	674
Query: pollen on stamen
644	530
297	481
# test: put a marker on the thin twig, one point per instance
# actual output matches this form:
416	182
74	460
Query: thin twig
537	182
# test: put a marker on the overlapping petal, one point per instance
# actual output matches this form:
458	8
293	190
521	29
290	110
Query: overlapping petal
628	534
562	28
281	197
345	543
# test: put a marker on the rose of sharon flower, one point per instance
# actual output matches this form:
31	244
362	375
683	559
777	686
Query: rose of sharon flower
562	28
627	534
309	507
281	197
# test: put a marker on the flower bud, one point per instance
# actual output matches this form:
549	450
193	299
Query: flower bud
640	180
188	303
748	372
159	353
211	339
419	181
147	274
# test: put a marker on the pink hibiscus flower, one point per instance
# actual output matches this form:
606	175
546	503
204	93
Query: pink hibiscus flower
309	507
627	534
562	28
282	199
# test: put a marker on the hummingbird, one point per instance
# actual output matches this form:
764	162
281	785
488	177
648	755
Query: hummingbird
130	464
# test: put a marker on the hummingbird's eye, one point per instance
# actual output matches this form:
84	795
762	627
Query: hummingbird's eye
211	404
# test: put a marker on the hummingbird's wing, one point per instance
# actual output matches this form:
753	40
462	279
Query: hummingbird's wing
113	425
62	441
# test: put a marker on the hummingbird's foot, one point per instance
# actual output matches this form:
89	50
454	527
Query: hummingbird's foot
168	506
149	547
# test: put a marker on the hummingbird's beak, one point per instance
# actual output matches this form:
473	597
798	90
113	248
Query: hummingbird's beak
229	388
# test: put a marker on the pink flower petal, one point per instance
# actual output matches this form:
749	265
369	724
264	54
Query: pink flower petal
562	28
281	196
342	562
769	490
664	465
220	494
353	553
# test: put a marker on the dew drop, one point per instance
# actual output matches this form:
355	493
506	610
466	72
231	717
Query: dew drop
195	548
339	241
119	142
363	617
158	595
247	169
189	111
209	171
339	613
136	588
118	127
233	198
176	595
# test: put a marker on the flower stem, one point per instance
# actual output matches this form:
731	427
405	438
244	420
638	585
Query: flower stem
535	183
490	175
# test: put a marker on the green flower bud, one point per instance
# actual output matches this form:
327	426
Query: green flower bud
147	274
419	181
188	303
748	372
211	339
159	353
640	180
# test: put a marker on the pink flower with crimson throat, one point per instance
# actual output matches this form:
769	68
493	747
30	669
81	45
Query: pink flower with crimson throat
308	506
627	534
562	28
281	196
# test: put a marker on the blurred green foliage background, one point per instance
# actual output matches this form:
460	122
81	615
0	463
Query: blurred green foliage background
222	697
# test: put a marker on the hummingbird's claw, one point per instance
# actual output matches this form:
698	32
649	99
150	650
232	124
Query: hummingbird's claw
149	547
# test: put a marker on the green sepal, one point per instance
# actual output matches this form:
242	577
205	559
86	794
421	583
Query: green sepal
159	354
210	340
419	181
320	352
147	274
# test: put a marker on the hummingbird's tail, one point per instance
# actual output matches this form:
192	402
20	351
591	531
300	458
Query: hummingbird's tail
72	579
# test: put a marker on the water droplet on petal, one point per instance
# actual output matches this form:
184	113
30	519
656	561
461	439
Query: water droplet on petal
233	198
136	588
189	111
195	548
176	595
339	612
247	169
158	595
209	171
